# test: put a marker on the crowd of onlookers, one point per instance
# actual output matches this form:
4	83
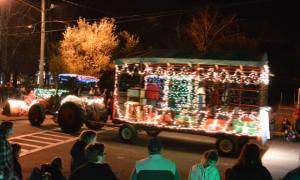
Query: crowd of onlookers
88	163
9	91
290	131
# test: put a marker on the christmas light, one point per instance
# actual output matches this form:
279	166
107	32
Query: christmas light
178	94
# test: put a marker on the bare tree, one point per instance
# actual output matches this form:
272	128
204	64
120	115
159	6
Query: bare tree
210	27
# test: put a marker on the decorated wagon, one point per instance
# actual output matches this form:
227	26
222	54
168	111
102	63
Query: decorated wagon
225	99
71	104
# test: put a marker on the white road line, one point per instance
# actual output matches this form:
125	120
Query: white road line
28	145
46	147
59	133
57	136
40	132
32	140
23	150
48	138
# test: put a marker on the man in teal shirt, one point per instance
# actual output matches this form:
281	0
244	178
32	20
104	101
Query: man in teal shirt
155	166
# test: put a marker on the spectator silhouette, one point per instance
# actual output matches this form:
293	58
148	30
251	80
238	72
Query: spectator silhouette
207	169
285	124
249	166
95	168
77	151
6	155
56	169
155	165
36	174
297	123
293	175
16	148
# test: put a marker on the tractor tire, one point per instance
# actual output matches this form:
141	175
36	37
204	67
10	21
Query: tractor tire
128	133
36	114
70	117
93	121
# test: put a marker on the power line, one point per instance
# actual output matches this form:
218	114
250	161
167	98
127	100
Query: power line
83	6
133	18
29	4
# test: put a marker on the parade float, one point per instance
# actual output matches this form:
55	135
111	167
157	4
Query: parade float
69	105
225	99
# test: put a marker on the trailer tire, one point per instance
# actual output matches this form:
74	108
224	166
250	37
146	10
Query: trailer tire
128	133
6	109
36	114
227	146
153	132
97	117
70	117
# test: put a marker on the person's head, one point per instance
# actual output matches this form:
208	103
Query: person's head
95	153
36	173
210	157
6	128
154	146
56	163
250	155
16	149
89	137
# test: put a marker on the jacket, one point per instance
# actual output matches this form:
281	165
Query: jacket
155	162
198	172
93	171
257	172
6	156
78	156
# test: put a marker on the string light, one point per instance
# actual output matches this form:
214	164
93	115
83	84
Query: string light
178	94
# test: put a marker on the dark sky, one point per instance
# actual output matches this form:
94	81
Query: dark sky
274	22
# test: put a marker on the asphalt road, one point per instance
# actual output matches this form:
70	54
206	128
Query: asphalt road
41	144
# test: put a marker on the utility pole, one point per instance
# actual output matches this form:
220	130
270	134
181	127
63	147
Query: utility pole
1	28
4	15
42	50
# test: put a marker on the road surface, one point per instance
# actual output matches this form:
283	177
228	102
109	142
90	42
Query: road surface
41	144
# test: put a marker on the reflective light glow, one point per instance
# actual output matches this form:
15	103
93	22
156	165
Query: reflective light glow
18	107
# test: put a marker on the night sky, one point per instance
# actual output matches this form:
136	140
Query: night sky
273	22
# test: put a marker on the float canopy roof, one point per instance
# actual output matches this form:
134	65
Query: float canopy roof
177	57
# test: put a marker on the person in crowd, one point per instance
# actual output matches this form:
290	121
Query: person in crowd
77	151
297	123
206	170
95	168
293	175
290	134
249	166
155	165
285	124
92	91
6	154
56	169
16	149
1	93
36	174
